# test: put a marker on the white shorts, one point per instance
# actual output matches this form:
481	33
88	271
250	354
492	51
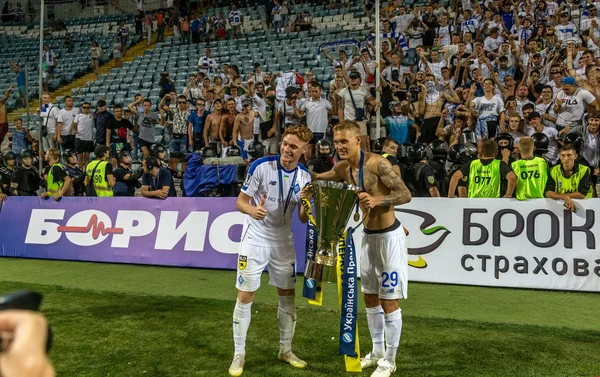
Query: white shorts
270	145
384	264
252	260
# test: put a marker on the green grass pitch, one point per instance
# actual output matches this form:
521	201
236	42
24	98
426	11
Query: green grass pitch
121	320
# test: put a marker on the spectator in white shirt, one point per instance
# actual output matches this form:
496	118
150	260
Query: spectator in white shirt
64	135
470	25
436	64
565	30
235	21
316	109
207	64
366	68
493	41
402	20
49	113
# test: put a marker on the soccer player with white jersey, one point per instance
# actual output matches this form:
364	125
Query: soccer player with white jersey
271	192
383	259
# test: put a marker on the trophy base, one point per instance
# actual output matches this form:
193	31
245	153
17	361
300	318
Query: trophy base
320	273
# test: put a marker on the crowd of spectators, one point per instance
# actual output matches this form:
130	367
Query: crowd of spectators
468	94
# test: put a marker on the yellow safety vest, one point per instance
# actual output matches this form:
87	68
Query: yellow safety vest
52	186
571	184
99	179
484	180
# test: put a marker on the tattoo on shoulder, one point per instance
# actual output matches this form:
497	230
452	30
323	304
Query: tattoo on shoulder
388	175
399	193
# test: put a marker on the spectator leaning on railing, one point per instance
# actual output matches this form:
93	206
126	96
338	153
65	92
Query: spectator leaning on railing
569	180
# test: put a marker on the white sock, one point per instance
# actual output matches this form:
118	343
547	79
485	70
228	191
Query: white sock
241	322
286	315
393	329
375	321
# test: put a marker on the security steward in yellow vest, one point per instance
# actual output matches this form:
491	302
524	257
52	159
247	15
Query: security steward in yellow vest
58	182
100	172
531	172
485	175
568	180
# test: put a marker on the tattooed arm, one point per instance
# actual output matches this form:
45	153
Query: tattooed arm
399	193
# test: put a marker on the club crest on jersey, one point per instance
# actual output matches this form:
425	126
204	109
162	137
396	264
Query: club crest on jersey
430	179
242	262
273	183
296	188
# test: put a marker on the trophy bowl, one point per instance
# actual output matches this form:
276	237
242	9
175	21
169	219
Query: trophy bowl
333	205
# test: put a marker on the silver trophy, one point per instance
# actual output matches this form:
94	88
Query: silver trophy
334	203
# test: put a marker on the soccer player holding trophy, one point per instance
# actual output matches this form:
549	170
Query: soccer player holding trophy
383	263
271	192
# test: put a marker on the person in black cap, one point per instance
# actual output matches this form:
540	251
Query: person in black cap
157	181
287	112
103	119
352	106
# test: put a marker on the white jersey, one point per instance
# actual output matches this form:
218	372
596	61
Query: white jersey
49	114
573	106
316	114
66	117
85	126
264	179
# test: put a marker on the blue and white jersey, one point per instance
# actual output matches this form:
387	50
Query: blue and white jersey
207	65
568	31
267	177
235	17
470	26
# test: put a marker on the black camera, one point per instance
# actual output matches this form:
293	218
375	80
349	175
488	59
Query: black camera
395	75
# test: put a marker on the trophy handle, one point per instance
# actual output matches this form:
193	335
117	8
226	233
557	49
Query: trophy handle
308	207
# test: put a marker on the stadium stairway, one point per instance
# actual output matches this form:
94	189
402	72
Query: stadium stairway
130	54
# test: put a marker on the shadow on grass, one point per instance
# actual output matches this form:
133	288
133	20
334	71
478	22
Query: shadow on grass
101	334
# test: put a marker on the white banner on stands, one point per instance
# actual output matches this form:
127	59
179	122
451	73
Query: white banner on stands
502	243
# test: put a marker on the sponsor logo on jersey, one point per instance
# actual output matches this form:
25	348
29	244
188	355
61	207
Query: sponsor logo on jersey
242	262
